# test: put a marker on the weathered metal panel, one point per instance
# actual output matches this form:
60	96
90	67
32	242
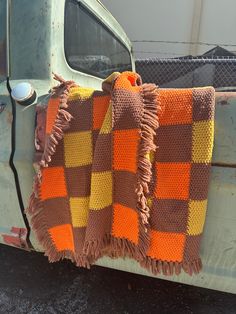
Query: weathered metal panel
3	29
10	215
30	39
225	129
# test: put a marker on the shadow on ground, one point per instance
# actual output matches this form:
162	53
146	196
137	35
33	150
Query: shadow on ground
29	284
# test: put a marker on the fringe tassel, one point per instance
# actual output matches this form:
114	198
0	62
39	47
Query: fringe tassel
171	268
94	248
62	122
110	246
149	124
118	247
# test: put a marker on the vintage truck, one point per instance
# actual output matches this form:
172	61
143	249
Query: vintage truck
83	42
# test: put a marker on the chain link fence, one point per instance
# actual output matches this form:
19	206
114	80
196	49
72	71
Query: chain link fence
187	72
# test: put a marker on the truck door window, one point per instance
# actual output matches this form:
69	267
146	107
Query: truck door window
90	47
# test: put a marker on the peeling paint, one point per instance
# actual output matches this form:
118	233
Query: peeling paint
16	237
224	98
223	102
9	117
2	107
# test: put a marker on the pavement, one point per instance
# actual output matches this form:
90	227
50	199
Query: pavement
29	284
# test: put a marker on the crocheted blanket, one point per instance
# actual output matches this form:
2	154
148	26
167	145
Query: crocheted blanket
125	173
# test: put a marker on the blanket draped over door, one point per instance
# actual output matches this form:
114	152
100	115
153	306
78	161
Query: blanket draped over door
125	173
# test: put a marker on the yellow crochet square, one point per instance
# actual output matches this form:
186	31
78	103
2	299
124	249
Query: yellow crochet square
196	217
101	190
79	207
107	123
80	92
203	136
78	148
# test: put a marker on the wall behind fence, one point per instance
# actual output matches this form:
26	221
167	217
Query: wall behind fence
167	28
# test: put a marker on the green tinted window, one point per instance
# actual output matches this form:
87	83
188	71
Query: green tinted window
90	46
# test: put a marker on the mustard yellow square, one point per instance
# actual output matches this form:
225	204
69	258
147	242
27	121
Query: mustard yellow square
78	149
78	92
107	123
101	190
79	207
203	136
196	217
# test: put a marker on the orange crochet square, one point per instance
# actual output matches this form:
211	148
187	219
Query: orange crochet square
125	223
52	110
125	149
176	105
173	180
53	183
62	237
127	82
100	106
166	246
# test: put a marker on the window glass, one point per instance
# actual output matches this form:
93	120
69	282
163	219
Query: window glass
90	46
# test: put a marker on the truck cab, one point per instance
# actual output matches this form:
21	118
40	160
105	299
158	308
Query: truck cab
81	41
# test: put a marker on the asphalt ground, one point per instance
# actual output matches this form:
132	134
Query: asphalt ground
29	284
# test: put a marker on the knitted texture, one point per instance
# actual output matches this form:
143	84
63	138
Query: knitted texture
104	189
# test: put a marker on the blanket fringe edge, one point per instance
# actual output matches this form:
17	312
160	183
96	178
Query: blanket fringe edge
115	248
62	122
168	268
149	124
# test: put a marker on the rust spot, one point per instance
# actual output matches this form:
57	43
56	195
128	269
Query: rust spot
16	237
223	102
2	107
9	117
224	98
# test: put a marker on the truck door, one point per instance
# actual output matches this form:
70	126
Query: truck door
13	223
